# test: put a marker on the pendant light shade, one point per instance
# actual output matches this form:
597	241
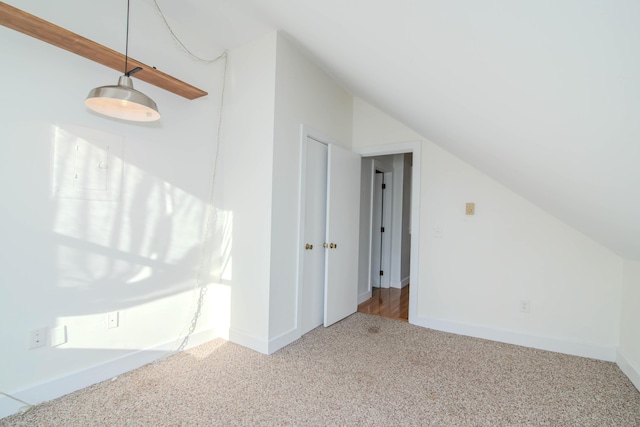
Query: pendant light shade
122	101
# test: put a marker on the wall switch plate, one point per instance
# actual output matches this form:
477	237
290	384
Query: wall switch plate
525	306
37	338
113	320
58	336
470	208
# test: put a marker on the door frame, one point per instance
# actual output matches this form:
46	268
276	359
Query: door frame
413	147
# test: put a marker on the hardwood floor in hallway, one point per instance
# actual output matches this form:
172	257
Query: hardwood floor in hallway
388	302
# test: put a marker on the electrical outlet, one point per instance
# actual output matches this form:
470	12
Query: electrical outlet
525	306
113	320
37	338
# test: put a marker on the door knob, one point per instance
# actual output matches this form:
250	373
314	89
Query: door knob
325	245
333	246
308	246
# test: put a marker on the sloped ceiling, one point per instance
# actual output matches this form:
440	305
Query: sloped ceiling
541	95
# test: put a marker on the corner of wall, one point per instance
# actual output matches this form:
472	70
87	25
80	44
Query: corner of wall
628	357
632	372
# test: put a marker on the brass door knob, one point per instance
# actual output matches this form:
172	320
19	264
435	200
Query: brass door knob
325	245
308	246
333	246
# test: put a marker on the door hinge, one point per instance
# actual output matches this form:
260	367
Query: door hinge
381	273
384	186
382	229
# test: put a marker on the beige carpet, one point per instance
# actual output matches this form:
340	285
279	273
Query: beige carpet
365	370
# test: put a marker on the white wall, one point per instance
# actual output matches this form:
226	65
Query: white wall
246	160
69	261
304	95
472	279
629	351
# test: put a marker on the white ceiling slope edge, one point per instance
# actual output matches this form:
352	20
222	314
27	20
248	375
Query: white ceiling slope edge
541	95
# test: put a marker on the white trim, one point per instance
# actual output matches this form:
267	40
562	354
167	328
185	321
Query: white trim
57	387
414	147
370	259
632	372
283	340
558	345
364	296
401	284
302	184
246	340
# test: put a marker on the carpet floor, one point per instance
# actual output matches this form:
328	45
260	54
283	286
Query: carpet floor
365	370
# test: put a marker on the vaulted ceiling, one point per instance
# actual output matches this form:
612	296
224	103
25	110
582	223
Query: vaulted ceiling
541	95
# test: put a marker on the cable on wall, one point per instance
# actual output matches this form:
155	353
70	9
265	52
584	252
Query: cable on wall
205	254
179	42
24	409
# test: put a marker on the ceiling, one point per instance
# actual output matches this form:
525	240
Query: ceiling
541	95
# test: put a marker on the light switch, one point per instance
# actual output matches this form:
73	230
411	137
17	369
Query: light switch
471	208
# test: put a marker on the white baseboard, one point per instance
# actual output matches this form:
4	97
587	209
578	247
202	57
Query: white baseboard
283	340
558	345
363	297
632	372
52	389
401	284
261	346
247	340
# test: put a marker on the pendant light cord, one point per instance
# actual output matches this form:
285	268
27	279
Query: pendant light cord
200	287
126	48
179	42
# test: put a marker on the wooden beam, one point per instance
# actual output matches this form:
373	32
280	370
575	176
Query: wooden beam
40	29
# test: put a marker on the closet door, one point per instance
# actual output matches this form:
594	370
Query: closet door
343	217
315	223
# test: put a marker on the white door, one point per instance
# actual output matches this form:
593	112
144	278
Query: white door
343	218
376	225
381	229
315	219
385	251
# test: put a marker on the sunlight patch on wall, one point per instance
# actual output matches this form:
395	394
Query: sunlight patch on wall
225	230
87	164
115	222
144	325
130	242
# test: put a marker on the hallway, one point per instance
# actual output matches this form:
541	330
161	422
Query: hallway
392	303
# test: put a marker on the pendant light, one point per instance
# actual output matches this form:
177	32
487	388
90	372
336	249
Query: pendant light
122	101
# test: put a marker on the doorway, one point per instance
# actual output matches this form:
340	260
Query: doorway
391	303
403	292
389	209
